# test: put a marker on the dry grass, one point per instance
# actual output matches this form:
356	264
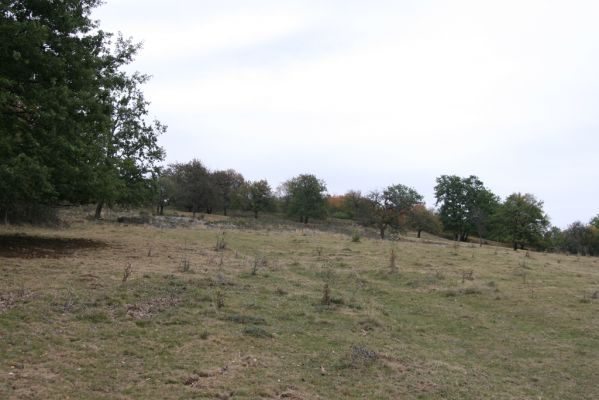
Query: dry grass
72	327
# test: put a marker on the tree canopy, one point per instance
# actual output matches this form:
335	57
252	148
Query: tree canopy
305	197
72	126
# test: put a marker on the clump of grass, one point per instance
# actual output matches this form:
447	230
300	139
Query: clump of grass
204	335
355	236
362	356
467	275
247	320
257	332
95	317
280	292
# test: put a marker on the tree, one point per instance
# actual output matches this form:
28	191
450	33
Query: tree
305	197
465	203
130	148
422	219
229	183
258	196
522	220
193	186
391	207
595	221
59	78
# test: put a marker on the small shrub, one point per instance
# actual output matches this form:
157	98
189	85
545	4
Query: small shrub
326	295
184	265
221	243
219	299
355	236
257	332
126	272
392	261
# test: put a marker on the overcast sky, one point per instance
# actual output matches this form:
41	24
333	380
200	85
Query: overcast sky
365	94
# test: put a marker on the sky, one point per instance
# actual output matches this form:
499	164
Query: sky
365	94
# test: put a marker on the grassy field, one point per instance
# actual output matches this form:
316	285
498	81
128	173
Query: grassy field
107	310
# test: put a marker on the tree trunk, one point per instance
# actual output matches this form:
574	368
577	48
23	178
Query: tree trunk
225	211
255	214
161	209
419	230
305	220
6	216
382	233
193	212
515	246
480	241
99	206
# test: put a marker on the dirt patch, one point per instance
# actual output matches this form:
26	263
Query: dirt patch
151	307
23	246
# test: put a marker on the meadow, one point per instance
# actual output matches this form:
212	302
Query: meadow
224	309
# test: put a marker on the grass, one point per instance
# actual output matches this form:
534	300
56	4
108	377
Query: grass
72	327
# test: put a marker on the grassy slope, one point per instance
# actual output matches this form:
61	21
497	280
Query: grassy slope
523	327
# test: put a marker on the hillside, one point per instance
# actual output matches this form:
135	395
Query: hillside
253	319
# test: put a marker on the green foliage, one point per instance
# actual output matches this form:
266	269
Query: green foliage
466	205
305	197
391	207
229	183
522	220
422	219
257	197
73	124
192	186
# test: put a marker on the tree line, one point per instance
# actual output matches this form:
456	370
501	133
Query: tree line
465	207
75	129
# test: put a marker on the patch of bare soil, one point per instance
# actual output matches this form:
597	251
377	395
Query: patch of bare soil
151	307
23	246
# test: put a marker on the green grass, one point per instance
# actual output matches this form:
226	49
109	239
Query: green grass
69	327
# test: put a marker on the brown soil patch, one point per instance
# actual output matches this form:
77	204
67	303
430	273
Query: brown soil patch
23	246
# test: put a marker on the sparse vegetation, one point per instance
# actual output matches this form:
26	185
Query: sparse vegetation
312	318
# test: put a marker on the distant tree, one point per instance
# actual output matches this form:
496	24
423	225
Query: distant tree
305	197
522	220
484	208
465	203
391	207
258	196
422	219
193	187
229	183
165	191
595	221
579	238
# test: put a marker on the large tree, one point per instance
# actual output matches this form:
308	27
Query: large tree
522	220
60	76
305	197
391	207
465	204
